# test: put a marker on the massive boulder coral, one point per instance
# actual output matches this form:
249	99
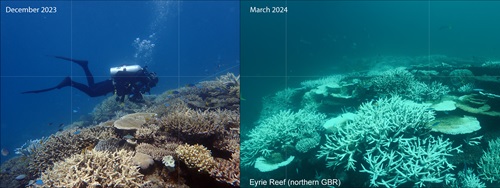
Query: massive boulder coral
95	169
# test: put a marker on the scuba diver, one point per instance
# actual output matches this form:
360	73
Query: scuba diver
127	80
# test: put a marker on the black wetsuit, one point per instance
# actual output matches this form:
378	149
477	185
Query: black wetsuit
122	84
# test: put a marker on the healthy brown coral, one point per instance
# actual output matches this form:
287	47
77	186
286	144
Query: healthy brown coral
95	169
227	171
66	143
155	152
196	157
195	123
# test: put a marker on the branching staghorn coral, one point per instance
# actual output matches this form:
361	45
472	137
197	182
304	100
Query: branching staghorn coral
384	121
66	143
394	81
197	124
416	160
147	133
282	130
393	136
95	169
489	165
401	82
467	178
223	93
227	170
420	91
230	141
30	147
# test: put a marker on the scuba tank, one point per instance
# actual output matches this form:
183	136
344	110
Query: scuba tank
132	69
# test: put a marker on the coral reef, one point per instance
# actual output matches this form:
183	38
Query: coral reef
95	168
50	151
394	81
30	147
379	126
401	82
378	122
108	148
196	124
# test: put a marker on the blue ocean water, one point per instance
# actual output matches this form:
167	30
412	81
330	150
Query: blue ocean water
183	42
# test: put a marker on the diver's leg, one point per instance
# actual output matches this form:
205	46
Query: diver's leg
85	65
66	82
84	88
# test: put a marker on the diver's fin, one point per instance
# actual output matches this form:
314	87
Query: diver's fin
64	83
82	63
39	91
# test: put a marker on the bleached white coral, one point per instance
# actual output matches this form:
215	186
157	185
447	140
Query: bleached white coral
322	81
394	81
467	178
467	88
403	83
169	162
30	146
414	160
379	122
396	145
489	164
283	129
